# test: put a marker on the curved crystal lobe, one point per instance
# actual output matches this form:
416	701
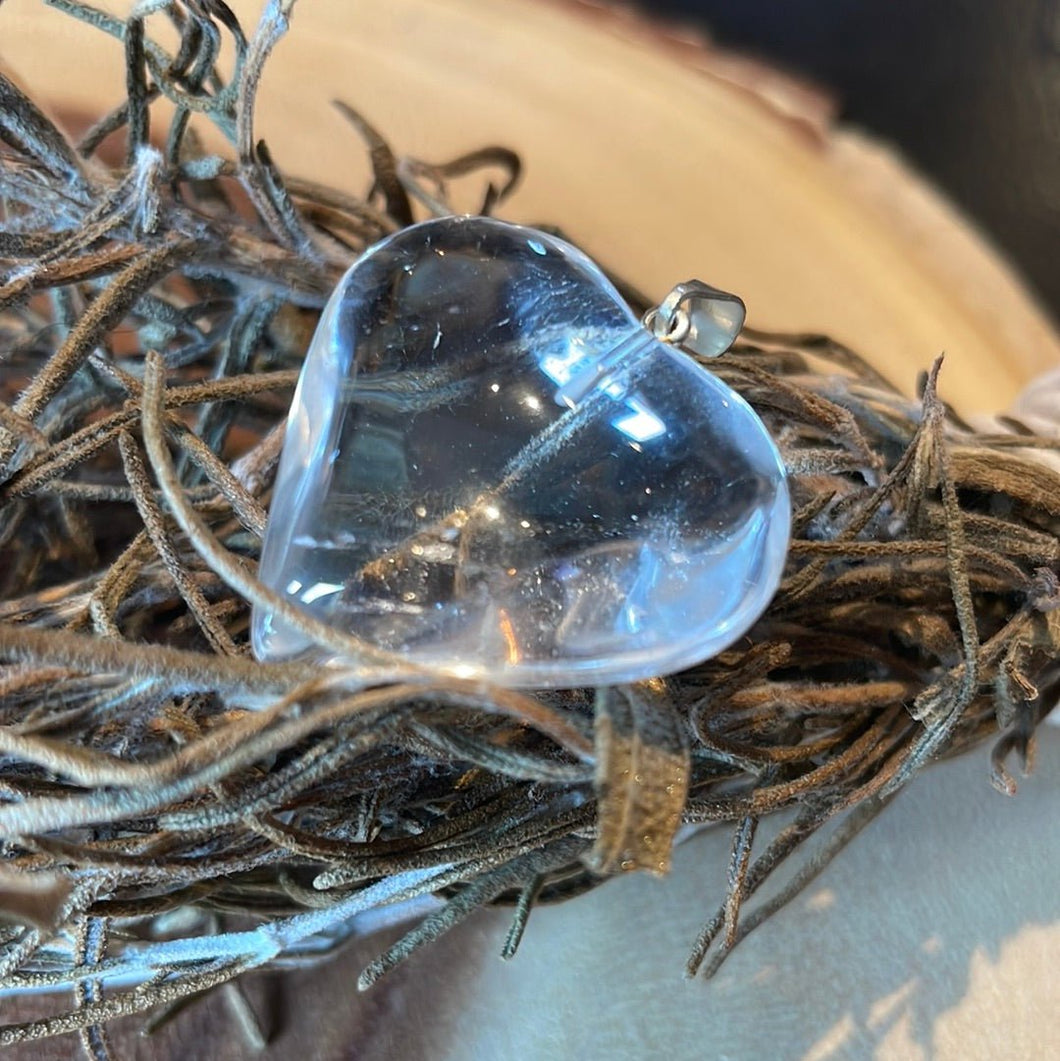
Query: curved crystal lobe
438	496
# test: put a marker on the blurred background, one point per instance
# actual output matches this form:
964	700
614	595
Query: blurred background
965	89
969	90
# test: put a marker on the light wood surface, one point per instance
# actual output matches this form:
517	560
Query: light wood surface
937	935
665	160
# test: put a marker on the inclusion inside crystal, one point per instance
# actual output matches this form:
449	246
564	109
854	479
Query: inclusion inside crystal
472	478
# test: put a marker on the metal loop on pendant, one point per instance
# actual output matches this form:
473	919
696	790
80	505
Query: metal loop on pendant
698	317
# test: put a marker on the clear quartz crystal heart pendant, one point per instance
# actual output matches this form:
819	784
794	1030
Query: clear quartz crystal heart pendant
492	467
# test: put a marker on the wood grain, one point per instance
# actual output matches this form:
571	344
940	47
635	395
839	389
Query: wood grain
665	159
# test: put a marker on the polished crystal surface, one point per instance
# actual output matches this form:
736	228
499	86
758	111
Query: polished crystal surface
492	467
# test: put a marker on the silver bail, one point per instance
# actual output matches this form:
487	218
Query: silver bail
698	317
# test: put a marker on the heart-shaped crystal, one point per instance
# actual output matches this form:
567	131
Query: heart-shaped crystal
492	467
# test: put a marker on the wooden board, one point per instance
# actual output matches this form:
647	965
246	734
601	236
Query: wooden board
662	157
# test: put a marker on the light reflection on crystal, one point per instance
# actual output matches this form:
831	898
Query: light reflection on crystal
472	478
